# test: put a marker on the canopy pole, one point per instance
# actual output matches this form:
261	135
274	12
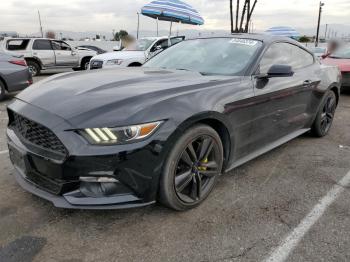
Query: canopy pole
171	26
157	28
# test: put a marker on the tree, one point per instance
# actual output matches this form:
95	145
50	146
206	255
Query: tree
304	39
120	35
50	34
246	15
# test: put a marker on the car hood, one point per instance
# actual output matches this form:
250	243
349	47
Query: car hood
113	96
120	55
343	64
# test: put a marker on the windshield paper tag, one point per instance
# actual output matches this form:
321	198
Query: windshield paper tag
242	41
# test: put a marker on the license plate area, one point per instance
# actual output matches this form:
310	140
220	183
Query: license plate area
17	158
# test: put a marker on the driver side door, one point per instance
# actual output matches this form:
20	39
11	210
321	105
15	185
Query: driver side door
282	102
65	56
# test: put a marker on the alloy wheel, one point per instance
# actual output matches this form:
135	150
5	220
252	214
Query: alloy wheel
328	114
196	169
33	70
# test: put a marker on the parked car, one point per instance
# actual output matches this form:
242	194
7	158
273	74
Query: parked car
14	74
93	48
341	58
135	55
166	131
41	54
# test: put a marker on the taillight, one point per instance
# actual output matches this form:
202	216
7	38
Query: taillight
18	62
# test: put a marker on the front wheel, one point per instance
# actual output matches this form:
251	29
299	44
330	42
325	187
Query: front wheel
192	168
325	115
2	90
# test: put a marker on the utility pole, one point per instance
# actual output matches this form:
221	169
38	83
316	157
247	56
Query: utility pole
41	28
138	25
231	16
318	24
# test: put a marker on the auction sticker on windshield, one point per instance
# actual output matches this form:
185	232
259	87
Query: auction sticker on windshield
242	41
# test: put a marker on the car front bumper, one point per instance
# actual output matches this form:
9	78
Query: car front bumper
135	169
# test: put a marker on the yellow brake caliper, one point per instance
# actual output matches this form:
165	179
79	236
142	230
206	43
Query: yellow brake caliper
202	168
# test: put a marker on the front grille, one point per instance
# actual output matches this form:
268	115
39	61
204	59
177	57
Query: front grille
96	64
37	134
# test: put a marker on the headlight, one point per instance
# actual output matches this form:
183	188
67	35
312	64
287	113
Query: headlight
119	135
114	62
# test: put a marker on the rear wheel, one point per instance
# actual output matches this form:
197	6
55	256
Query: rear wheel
34	68
2	91
325	116
192	168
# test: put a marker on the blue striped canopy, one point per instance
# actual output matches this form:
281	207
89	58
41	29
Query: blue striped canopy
172	11
283	31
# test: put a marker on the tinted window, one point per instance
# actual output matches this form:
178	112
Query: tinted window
174	41
214	56
285	54
164	44
17	44
42	45
58	45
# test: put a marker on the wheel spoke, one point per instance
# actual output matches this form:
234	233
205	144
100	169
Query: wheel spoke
194	190
208	173
210	164
183	180
192	152
186	158
205	149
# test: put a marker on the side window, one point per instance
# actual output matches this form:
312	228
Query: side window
17	44
58	45
300	58
42	45
176	40
285	54
164	44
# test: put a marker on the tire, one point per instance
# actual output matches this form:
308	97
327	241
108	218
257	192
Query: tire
34	68
325	115
188	178
2	91
85	63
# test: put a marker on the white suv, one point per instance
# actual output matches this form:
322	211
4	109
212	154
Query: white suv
43	53
135	55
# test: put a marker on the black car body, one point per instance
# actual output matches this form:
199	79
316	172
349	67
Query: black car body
251	112
14	74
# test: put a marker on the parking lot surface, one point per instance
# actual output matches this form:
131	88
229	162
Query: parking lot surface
250	213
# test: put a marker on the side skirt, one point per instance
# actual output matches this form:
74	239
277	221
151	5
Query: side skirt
267	148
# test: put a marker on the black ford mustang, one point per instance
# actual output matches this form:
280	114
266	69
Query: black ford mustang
125	138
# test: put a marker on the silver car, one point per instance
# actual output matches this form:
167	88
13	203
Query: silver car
14	74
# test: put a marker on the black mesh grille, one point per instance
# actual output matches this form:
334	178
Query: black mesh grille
37	134
96	64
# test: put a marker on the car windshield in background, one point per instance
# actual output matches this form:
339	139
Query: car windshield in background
343	53
215	56
140	45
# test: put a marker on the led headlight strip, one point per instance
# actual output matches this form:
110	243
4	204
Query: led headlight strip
119	135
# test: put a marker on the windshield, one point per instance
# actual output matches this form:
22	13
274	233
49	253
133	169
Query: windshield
140	45
343	53
215	56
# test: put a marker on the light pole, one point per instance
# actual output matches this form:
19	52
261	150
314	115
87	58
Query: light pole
138	25
318	24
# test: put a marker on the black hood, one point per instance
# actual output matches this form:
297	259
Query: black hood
79	97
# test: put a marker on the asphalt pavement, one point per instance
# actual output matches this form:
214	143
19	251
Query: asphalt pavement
290	204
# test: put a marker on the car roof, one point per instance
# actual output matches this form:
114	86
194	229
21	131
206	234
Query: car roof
159	37
266	38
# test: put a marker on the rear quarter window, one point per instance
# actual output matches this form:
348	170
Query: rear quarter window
17	44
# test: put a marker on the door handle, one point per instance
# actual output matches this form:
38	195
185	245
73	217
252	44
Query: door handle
307	83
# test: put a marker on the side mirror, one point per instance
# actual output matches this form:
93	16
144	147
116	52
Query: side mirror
278	71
